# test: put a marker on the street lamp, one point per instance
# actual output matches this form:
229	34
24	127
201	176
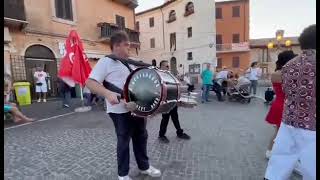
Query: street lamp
270	45
288	43
279	38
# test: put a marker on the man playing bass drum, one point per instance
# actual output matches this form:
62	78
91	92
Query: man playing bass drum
126	125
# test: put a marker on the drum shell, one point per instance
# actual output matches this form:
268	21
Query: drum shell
170	92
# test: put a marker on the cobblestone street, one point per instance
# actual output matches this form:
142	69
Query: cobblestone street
228	141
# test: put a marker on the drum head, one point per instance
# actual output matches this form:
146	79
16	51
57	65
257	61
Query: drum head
143	87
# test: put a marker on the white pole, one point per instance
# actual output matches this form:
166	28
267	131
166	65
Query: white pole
81	95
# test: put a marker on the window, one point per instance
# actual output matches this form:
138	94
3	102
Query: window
218	42
173	41
236	11
189	9
151	22
236	38
137	26
218	13
64	9
194	68
219	63
236	62
190	56
218	39
152	43
120	21
172	16
189	32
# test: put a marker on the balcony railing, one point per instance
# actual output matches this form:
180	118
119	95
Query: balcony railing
108	29
14	9
233	47
129	3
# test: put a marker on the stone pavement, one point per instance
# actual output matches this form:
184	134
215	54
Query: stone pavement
228	142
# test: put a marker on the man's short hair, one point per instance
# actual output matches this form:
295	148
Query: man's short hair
161	62
118	37
307	38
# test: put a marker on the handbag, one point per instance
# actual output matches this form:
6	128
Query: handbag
39	83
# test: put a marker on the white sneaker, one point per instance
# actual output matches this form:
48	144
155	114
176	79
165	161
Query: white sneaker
44	100
268	154
39	100
153	172
124	178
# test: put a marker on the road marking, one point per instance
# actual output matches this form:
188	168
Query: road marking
41	120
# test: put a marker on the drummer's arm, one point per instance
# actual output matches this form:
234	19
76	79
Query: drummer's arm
97	88
97	76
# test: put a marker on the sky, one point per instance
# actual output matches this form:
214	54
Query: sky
266	16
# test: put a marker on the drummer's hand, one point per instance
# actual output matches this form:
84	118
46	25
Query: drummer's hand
131	106
112	98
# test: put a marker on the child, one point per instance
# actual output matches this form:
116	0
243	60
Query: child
9	107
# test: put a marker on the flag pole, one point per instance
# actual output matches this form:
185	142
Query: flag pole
81	94
82	108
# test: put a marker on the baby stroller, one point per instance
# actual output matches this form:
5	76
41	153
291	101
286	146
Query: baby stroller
239	90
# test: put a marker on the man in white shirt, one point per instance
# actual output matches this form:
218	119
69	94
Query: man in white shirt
41	83
254	74
218	85
126	125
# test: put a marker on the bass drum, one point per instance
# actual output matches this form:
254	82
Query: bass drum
153	90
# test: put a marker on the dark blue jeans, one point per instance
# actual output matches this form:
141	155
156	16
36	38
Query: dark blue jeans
205	92
130	127
66	97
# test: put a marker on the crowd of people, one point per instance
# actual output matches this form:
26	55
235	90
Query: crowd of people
292	113
225	79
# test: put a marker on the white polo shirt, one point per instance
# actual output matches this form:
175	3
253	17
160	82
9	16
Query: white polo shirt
114	72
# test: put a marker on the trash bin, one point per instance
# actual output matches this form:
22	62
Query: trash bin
23	94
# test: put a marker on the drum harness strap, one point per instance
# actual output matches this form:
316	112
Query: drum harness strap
111	86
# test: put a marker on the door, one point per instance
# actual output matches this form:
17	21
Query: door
173	66
48	67
41	56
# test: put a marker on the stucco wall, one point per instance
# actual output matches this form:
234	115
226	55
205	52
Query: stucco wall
47	30
203	34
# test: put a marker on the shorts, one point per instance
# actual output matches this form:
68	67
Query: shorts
7	108
43	88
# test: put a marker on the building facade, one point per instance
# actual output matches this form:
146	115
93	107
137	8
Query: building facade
232	38
181	32
267	57
36	30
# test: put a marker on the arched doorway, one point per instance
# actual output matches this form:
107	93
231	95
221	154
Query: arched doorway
39	55
154	62
173	66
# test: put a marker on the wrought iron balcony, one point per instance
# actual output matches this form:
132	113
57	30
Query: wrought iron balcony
129	3
14	12
233	47
108	29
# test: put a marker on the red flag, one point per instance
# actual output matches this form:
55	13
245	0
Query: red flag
74	67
